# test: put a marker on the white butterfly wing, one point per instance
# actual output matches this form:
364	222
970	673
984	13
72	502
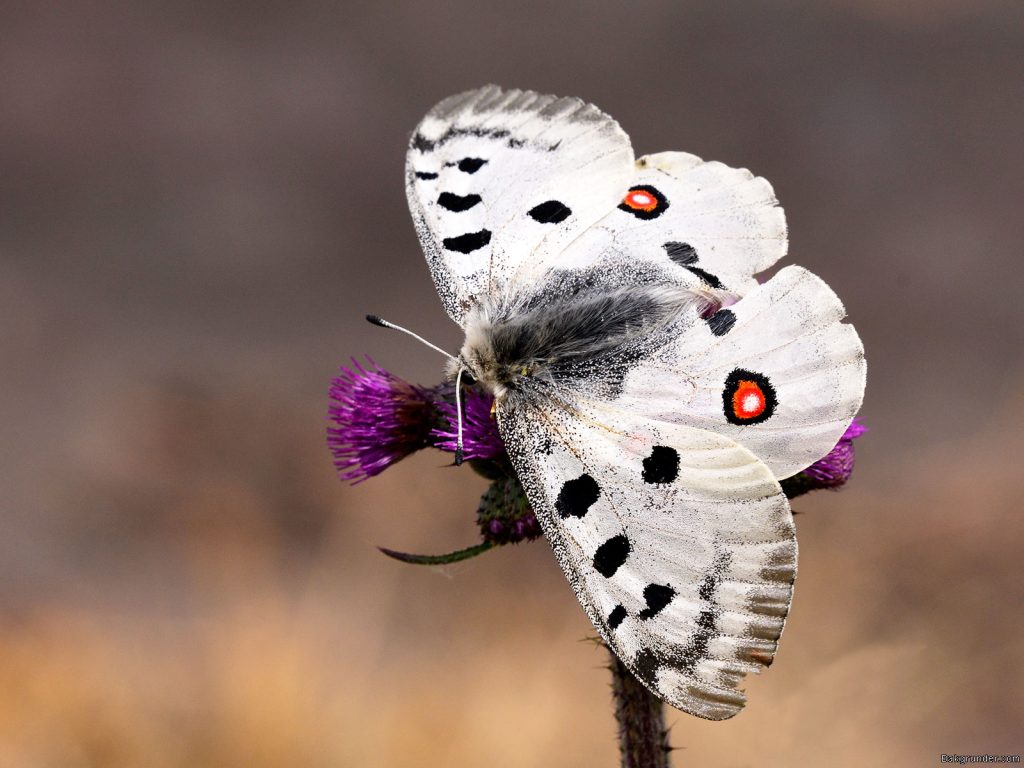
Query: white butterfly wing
495	178
678	542
722	225
777	372
721	220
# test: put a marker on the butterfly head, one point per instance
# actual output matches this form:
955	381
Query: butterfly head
489	359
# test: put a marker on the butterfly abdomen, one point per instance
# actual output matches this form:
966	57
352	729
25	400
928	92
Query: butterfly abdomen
506	349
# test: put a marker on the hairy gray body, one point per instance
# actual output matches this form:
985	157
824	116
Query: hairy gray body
586	336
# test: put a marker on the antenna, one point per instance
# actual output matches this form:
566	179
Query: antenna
458	410
377	320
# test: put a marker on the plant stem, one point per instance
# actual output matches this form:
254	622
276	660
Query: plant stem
451	557
643	739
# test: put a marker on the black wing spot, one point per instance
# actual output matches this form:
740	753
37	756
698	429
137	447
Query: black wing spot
471	164
682	254
422	143
646	665
426	175
617	616
611	555
722	322
707	277
468	242
457	203
657	597
662	466
577	496
551	212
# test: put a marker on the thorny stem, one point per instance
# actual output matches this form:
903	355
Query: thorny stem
643	738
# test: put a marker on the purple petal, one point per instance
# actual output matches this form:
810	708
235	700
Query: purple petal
379	419
480	438
834	469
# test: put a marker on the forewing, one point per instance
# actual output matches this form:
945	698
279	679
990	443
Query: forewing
719	224
777	372
495	178
678	542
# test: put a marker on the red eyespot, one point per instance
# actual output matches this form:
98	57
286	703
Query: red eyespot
644	202
640	200
748	397
748	400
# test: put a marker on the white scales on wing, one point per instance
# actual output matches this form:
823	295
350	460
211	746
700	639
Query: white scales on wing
649	392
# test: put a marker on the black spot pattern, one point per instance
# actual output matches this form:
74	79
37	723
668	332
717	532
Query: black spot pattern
722	322
577	496
422	143
426	175
682	254
550	212
468	242
645	665
657	596
457	203
470	164
662	466
685	657
617	616
611	555
707	277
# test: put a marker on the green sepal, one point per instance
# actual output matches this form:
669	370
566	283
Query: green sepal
798	485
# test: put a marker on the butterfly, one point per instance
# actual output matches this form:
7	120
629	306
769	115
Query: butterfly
649	391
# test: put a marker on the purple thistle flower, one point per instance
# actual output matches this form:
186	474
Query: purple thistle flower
480	438
832	471
836	467
379	419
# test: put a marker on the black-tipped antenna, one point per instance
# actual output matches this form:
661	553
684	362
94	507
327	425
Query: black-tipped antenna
377	320
458	410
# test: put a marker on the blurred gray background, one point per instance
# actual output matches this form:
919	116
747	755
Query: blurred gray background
200	201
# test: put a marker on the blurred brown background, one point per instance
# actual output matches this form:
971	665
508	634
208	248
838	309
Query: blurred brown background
199	202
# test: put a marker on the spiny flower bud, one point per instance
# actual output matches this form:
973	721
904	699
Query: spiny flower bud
504	514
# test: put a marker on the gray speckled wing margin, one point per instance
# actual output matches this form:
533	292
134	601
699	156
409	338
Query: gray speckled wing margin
679	543
495	178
